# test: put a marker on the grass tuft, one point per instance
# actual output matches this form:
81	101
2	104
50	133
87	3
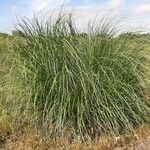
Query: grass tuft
83	84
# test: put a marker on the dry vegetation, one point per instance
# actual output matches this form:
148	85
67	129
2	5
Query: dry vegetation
27	139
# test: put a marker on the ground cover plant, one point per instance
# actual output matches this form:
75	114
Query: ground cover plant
80	84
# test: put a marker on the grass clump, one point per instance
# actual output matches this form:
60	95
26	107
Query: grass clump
84	84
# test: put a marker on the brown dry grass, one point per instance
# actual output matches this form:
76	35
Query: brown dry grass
28	139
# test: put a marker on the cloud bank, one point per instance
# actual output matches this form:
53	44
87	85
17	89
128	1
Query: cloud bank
136	16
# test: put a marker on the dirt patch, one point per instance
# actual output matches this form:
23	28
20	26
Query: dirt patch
29	140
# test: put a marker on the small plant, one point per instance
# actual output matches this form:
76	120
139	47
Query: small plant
81	83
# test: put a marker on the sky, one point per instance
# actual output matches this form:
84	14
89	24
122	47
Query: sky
134	14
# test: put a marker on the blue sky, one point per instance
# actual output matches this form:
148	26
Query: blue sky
135	12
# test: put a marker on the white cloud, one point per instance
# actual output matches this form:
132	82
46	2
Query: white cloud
83	13
88	10
139	16
144	8
38	5
114	4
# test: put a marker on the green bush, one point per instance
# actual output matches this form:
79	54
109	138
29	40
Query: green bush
83	83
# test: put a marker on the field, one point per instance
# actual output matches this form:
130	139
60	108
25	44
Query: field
61	88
